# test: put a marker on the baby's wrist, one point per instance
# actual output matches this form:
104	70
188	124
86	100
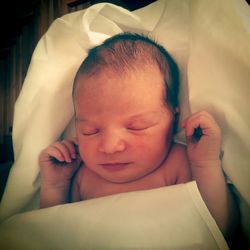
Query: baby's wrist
206	163
55	185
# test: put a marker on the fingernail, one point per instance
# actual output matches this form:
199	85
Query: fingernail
61	159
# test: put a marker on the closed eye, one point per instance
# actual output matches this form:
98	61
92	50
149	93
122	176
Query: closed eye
141	126
138	128
92	132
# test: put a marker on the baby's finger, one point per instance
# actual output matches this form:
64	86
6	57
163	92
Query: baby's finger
195	116
52	152
196	125
71	146
61	146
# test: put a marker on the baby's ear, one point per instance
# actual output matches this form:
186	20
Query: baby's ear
75	140
176	114
176	119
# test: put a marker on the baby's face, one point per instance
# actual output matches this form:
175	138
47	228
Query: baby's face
124	130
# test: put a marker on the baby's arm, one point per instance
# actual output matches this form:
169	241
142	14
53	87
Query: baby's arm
204	156
58	163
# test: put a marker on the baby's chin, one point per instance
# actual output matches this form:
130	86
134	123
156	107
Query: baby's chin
124	176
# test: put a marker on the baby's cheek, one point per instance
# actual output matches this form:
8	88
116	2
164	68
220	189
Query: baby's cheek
148	152
141	144
84	149
150	147
81	152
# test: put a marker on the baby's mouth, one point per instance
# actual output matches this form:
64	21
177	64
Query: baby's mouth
116	166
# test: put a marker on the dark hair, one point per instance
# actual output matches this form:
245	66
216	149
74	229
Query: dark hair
127	51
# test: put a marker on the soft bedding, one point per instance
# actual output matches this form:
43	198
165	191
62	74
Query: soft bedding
137	220
210	40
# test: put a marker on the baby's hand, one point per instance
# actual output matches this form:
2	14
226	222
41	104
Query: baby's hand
59	162
203	139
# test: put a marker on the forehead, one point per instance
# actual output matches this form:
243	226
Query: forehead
119	93
105	80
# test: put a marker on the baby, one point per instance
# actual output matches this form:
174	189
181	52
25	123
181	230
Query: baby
125	97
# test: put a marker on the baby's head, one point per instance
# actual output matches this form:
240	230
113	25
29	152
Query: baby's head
125	53
125	96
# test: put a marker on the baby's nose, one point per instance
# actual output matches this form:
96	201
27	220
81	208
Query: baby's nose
112	143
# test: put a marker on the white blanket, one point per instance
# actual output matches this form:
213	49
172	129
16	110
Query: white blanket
136	220
210	40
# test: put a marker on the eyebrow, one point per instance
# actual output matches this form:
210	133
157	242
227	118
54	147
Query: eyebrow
134	116
142	115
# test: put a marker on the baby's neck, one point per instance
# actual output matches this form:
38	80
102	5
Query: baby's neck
94	186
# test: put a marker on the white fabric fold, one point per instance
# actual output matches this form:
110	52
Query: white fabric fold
137	220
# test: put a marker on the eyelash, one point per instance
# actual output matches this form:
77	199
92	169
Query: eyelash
137	129
129	128
90	133
141	128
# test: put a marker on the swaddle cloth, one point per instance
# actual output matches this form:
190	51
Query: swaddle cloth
172	217
210	42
